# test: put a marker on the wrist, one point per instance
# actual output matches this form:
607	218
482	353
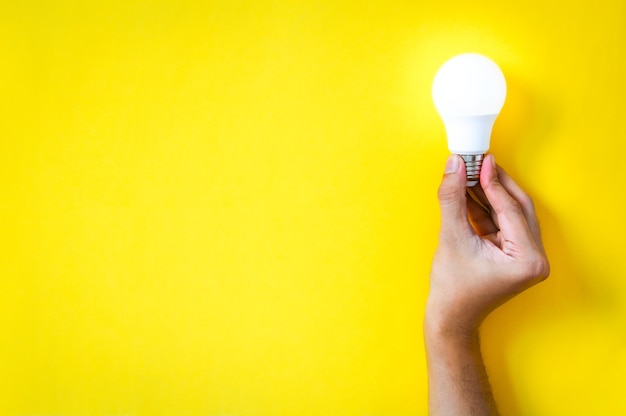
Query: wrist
449	335
443	320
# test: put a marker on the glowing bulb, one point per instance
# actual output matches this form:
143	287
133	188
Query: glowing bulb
469	92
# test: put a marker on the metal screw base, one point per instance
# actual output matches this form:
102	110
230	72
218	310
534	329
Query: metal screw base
473	163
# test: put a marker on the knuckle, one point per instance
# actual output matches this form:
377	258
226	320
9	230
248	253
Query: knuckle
503	202
515	206
511	206
537	268
545	269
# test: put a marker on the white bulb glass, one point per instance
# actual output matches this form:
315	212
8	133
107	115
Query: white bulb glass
469	91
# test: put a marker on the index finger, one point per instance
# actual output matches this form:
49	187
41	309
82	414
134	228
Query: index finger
512	219
528	207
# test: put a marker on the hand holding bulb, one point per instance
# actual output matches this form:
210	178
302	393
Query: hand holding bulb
489	250
490	246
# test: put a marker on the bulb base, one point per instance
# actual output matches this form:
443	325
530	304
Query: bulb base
473	164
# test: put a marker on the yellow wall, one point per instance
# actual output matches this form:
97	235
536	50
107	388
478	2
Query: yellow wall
228	207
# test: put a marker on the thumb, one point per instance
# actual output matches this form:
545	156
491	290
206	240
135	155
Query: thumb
452	199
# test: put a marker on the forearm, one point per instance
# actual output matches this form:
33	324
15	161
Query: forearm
457	379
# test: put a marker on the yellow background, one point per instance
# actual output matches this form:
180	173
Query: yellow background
229	207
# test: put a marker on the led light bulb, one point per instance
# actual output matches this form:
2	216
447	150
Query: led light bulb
469	92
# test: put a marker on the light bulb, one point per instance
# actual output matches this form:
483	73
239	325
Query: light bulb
469	92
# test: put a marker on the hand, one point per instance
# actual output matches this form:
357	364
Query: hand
489	250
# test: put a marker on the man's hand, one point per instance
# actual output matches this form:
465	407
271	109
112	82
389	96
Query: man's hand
489	250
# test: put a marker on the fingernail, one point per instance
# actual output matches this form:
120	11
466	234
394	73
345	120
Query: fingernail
452	164
492	161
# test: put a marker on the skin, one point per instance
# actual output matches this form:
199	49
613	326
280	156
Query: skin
490	250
